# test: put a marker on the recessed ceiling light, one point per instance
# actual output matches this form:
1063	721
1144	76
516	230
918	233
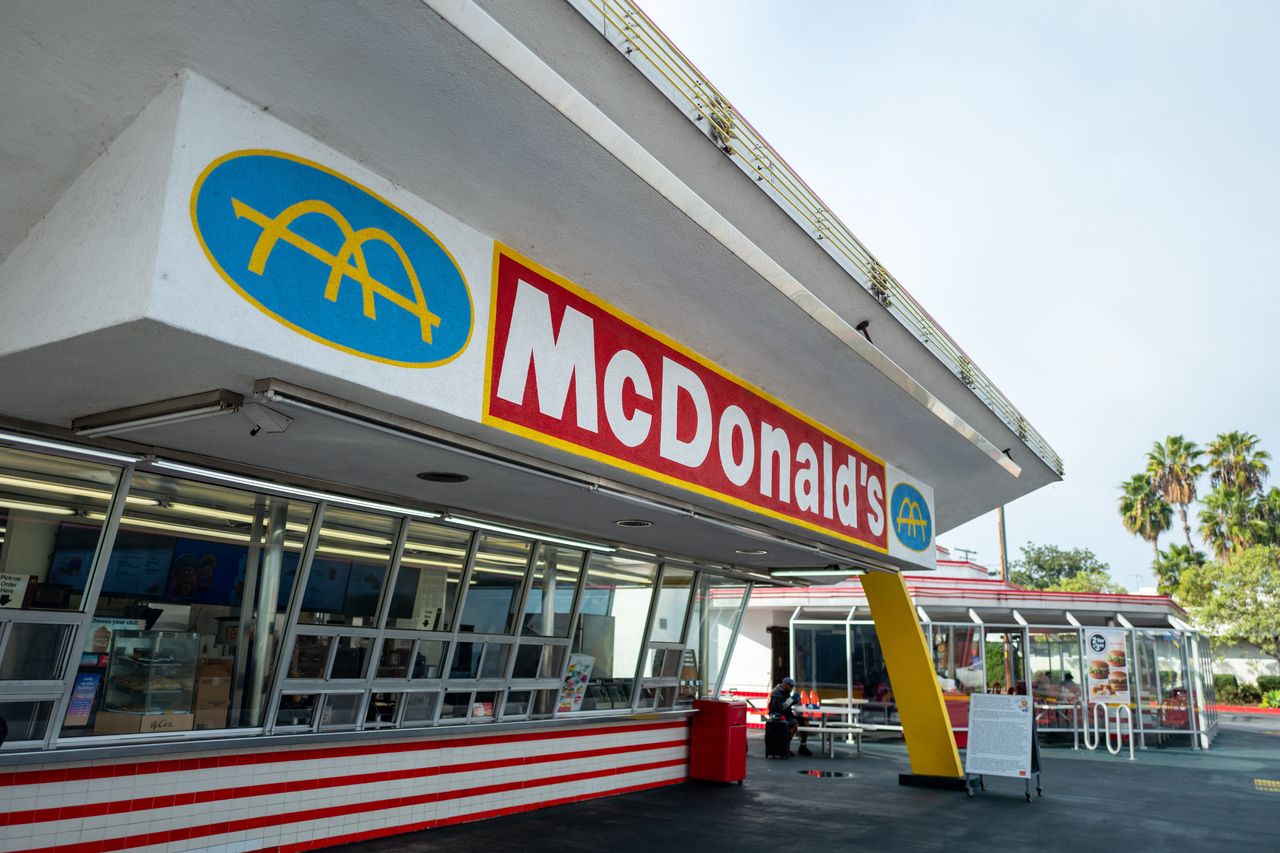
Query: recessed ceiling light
754	552
634	522
443	477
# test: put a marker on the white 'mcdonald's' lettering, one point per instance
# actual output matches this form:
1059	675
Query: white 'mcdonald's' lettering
557	359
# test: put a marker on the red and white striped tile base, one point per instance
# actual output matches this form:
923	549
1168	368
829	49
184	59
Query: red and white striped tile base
308	796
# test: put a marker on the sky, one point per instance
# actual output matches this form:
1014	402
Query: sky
1085	195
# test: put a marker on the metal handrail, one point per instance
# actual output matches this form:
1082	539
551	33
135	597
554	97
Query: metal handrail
625	26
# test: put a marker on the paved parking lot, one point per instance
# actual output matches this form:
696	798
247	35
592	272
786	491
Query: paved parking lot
1170	798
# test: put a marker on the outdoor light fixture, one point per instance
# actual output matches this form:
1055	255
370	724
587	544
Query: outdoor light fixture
161	413
633	522
35	507
754	552
862	327
45	444
292	491
821	572
527	534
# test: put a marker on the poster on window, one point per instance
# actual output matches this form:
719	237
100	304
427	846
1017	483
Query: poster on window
575	682
1108	665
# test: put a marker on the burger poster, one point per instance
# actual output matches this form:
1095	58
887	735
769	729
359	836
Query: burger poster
1107	663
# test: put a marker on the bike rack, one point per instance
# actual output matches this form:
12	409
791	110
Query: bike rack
1102	724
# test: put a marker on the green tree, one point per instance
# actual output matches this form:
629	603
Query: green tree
1047	566
1236	461
1144	511
1174	467
1266	512
1172	564
1236	602
1089	580
1229	522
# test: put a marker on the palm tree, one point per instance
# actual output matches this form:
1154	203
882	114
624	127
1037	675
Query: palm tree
1172	563
1228	522
1144	511
1266	512
1174	468
1235	461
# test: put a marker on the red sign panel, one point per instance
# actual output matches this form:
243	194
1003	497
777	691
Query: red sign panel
567	369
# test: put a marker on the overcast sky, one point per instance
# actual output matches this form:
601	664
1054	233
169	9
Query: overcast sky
1084	194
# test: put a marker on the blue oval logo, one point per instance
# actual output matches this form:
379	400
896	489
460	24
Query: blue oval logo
910	516
331	259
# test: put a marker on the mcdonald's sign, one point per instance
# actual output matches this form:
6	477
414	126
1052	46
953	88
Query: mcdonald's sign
330	259
910	518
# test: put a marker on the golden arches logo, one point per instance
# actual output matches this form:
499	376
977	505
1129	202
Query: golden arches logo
909	516
349	262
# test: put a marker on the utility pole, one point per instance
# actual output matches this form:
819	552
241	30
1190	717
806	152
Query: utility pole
1004	547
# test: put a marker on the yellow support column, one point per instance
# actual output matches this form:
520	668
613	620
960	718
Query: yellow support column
931	744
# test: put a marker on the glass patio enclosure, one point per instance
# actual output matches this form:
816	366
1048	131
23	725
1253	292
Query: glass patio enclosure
1038	653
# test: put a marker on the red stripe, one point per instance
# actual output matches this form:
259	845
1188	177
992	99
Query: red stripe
142	768
382	832
218	794
249	824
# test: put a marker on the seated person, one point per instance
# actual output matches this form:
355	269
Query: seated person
782	702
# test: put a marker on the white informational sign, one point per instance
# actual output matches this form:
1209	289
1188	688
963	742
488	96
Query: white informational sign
13	589
1000	735
1107	664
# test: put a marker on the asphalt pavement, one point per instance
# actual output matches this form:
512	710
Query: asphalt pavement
1170	798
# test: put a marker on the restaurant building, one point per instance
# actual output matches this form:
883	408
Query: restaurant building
987	635
399	404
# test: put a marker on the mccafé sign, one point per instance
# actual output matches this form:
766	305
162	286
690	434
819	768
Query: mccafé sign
567	369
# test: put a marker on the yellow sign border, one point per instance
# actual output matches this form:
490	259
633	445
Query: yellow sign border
490	419
282	155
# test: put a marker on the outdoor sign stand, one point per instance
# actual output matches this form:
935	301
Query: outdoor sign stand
1002	741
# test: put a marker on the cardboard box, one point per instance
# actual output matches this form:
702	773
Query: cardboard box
123	723
211	718
213	684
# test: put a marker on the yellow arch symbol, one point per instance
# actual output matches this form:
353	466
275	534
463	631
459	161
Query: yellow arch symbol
349	262
909	515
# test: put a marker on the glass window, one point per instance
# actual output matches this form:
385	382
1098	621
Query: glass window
420	708
1055	665
310	658
51	516
395	658
349	568
351	657
1006	666
610	633
427	584
715	614
822	660
340	711
27	721
296	710
35	652
382	710
195	592
673	603
496	579
550	602
870	676
534	660
957	658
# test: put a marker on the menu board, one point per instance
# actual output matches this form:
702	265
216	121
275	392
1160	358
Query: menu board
1107	665
1000	736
